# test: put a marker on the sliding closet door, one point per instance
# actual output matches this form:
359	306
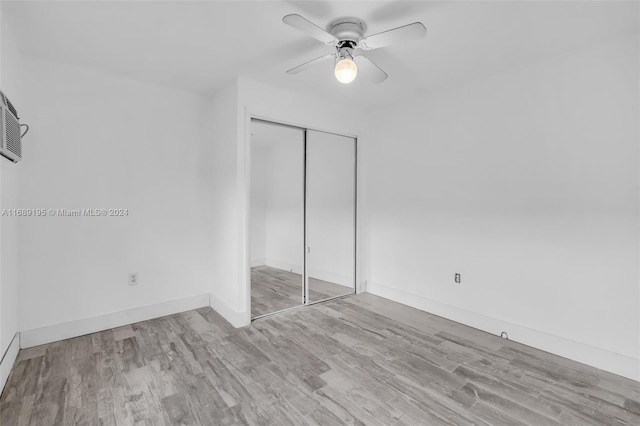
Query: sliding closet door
276	218
330	215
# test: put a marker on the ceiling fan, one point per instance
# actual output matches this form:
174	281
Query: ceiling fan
347	35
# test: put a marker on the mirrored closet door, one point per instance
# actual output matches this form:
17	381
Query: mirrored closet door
302	216
330	213
276	218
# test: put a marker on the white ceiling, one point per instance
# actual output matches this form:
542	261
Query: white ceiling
200	45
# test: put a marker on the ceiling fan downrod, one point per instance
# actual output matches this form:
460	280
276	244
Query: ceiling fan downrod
344	50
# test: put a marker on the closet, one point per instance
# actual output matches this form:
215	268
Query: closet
302	226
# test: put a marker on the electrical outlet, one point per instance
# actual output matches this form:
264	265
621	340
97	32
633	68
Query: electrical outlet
457	278
134	279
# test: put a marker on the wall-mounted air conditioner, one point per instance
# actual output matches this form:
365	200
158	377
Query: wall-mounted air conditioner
11	145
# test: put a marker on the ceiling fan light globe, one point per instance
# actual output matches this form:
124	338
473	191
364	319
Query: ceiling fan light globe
346	70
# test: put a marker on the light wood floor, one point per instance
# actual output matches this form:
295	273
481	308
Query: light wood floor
357	360
273	290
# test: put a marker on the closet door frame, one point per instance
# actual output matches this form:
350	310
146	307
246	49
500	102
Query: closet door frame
244	264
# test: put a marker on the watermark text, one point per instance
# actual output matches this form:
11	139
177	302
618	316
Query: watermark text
64	212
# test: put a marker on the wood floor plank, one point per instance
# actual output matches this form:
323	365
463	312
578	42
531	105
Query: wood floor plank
493	416
10	411
179	410
507	405
122	333
105	407
25	412
359	360
33	352
24	379
49	403
102	341
436	403
510	390
590	409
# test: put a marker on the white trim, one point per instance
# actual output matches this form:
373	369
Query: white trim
305	223
604	359
284	266
80	327
318	274
235	318
301	126
332	278
244	225
9	359
258	262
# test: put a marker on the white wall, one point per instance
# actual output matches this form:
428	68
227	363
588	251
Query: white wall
294	108
10	84
224	297
527	184
100	141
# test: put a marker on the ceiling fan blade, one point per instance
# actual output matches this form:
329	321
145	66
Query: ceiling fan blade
312	62
409	32
369	70
309	28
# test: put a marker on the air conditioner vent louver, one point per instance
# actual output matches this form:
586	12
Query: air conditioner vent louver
13	136
12	109
11	144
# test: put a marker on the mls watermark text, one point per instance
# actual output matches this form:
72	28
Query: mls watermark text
65	212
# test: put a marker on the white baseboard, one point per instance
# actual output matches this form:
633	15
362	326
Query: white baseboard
285	266
8	359
313	273
331	277
235	318
80	327
620	364
258	262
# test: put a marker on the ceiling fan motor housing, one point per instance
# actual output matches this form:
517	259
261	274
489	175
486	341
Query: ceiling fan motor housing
347	30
